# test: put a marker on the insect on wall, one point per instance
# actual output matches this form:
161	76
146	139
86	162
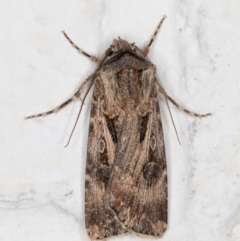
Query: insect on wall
126	173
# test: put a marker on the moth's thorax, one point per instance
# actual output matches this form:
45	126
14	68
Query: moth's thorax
129	83
127	77
128	89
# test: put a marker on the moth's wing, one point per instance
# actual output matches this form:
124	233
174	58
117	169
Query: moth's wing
137	189
101	221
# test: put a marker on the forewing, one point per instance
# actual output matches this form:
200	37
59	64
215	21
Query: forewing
137	189
101	221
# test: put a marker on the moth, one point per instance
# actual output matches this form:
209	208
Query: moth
126	172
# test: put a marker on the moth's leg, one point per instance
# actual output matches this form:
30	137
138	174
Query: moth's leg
56	109
147	48
93	58
179	106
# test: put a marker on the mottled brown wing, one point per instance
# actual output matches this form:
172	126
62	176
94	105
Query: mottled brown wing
101	221
137	189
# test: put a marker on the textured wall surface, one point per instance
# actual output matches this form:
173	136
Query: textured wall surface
197	54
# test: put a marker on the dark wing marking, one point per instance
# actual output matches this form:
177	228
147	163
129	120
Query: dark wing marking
143	127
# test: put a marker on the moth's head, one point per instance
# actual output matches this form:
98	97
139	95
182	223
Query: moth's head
120	45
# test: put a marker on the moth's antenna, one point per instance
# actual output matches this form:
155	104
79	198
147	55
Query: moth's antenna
172	120
147	48
93	58
79	113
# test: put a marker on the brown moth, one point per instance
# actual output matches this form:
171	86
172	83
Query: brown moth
126	175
